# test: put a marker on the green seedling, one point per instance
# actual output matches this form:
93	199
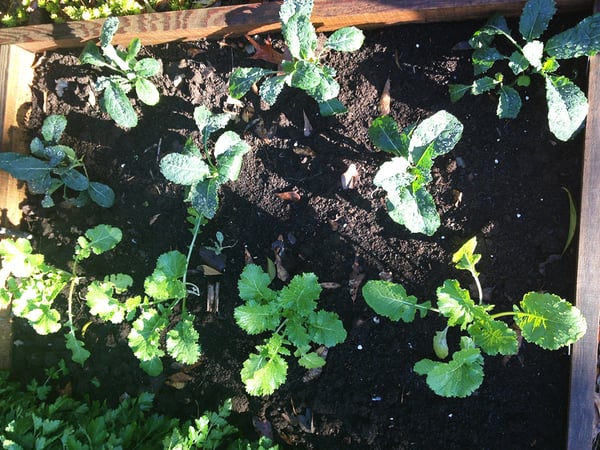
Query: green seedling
542	318
201	171
292	317
52	167
567	104
129	74
301	66
406	175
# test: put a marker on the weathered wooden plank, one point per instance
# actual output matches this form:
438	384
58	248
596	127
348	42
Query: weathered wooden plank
15	77
584	356
263	17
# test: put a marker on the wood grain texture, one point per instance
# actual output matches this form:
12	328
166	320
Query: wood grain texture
263	17
584	357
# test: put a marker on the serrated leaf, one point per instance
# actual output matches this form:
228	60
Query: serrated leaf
265	371
243	78
301	294
79	353
348	39
43	319
494	337
53	128
581	40
146	91
144	337
254	284
391	300
182	341
118	106
101	194
18	259
229	152
256	318
165	283
75	180
535	18
567	107
184	169
456	304
326	328
385	135
509	103
311	360
549	321
459	377
100	300
297	333
204	197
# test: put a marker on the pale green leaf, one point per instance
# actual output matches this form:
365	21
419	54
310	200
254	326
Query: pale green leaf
101	238
229	151
146	91
204	197
442	129
348	39
567	107
80	354
147	67
300	37
307	76
391	300
456	304
581	40
465	257
311	360
102	303
255	318
182	341
184	169
53	128
118	106
264	372
144	337
494	337
416	211
326	328
291	7
301	294
271	87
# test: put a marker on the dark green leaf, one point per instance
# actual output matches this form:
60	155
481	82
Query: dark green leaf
307	76
25	167
458	91
118	106
243	78
53	128
518	63
101	194
385	135
205	197
583	39
535	18
75	180
147	67
91	55
347	39
484	58
332	107
509	103
271	87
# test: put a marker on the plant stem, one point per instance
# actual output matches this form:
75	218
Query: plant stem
478	284
74	281
502	314
189	257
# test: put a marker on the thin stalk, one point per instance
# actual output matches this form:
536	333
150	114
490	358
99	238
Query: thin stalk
478	284
189	257
502	314
74	281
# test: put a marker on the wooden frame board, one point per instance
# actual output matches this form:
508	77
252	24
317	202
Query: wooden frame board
18	47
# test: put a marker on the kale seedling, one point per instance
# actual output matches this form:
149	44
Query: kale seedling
542	318
406	175
292	317
301	67
129	73
567	104
201	172
53	166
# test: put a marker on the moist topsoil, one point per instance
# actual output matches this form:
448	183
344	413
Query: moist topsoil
503	183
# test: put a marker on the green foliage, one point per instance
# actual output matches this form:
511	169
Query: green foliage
543	319
292	318
201	172
304	69
53	166
30	420
567	104
407	174
129	74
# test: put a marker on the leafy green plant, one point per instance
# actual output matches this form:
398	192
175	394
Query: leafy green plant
32	286
301	67
130	73
291	315
406	175
30	419
541	318
202	172
567	104
53	166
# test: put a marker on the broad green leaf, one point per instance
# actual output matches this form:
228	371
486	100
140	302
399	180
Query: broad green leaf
311	360
147	67
567	107
184	169
300	36
271	87
535	18
327	90
549	321
102	303
484	37
120	281
300	295
44	319
483	84
229	152
326	328
254	284
484	58
458	91
100	239
465	257
118	106
208	123
459	377
581	40
517	62
394	174
101	194
146	91
165	283
533	52
109	28
456	304
243	78
80	354
307	76
264	372
494	337
18	259
91	55
416	211
442	129
290	8
204	197
25	167
134	47
347	39
75	180
53	128
509	103
385	135
152	366
144	337
391	300
256	318
182	341
332	107
296	332
57	154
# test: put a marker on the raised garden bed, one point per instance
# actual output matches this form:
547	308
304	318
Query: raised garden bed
352	405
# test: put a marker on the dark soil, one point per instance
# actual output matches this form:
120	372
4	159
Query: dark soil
510	174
